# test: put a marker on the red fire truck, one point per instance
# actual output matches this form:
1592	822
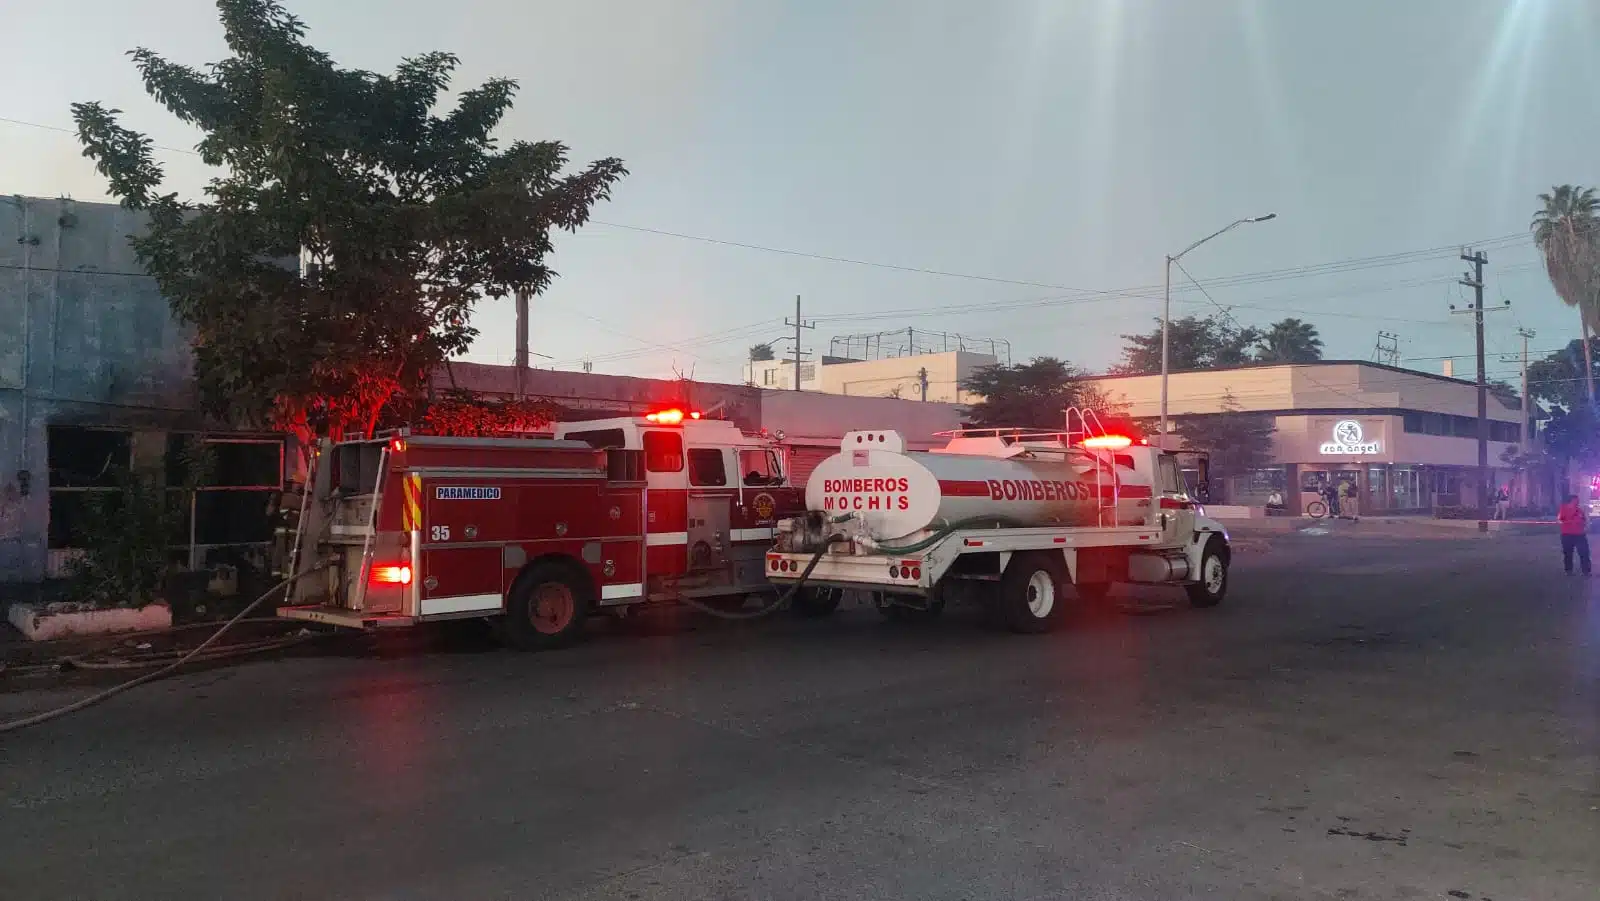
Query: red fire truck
538	533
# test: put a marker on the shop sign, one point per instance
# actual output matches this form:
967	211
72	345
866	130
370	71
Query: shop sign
1348	440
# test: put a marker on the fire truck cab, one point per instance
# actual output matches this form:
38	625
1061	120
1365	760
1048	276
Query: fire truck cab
537	533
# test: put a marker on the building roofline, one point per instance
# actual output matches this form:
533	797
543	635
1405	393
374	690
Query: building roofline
1383	366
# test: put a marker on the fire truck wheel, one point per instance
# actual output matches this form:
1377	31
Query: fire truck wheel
1213	576
547	608
1031	598
814	603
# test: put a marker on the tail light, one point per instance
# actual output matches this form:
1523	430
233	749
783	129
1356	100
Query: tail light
392	575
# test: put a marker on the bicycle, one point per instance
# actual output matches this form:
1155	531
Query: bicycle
1317	509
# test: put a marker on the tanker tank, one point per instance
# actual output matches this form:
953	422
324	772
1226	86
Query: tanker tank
893	494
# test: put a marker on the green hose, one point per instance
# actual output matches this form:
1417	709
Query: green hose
1000	522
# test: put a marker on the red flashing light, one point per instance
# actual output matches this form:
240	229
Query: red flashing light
1107	442
671	416
392	575
397	445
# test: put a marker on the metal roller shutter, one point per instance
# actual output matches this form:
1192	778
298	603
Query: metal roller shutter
805	457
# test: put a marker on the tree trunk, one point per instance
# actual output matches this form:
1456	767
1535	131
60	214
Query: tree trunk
1588	356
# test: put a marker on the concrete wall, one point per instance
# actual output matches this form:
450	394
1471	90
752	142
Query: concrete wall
85	339
812	418
807	417
607	395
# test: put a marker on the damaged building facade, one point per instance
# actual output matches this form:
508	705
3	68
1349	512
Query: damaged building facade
95	380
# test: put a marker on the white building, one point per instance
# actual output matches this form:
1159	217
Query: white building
1406	440
930	376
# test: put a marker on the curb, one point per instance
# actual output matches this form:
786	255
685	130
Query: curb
21	656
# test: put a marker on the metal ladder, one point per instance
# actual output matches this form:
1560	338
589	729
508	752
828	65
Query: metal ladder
1081	423
315	516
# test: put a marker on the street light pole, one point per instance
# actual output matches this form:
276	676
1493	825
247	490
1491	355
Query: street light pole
1166	308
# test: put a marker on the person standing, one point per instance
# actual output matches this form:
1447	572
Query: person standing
1574	534
1348	508
1502	502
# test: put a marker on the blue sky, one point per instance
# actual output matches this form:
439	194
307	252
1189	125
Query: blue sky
1069	144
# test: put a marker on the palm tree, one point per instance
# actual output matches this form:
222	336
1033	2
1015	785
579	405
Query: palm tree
1567	231
1289	341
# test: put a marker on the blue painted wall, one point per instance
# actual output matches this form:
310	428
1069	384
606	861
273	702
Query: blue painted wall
85	339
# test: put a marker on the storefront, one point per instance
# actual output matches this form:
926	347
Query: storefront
1359	454
1401	441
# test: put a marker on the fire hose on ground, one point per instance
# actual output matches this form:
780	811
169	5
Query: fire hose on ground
196	654
773	607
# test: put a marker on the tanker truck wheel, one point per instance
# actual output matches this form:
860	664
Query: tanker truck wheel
547	607
815	603
1031	597
1213	575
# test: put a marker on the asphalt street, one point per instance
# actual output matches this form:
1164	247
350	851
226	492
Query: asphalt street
1368	716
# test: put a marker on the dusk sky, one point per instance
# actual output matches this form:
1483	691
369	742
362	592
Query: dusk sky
1069	144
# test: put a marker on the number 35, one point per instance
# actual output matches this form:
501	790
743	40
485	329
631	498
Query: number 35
439	533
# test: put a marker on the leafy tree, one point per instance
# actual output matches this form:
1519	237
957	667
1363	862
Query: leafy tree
760	353
464	414
1574	436
1237	441
1557	381
1506	393
1193	342
1567	230
405	218
1289	341
1035	394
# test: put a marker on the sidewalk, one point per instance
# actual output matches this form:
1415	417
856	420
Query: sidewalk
1422	527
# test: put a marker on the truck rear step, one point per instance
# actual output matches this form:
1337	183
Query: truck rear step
343	616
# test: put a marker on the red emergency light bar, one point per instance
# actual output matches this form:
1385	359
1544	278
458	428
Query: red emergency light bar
1106	442
392	575
672	416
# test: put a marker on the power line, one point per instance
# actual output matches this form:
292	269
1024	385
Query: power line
74	132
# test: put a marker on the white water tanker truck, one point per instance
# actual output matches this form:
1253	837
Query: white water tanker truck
1016	520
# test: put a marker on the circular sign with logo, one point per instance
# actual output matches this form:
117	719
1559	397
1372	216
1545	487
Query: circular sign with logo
1349	439
764	506
1347	431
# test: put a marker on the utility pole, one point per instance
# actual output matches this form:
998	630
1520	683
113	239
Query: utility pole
1526	444
922	381
1525	334
798	324
521	361
1387	350
1474	280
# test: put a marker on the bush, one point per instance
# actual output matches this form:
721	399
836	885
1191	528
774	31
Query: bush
128	533
125	538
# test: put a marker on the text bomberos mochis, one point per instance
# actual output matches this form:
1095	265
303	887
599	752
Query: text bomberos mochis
893	493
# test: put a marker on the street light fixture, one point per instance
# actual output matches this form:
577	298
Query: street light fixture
1166	307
